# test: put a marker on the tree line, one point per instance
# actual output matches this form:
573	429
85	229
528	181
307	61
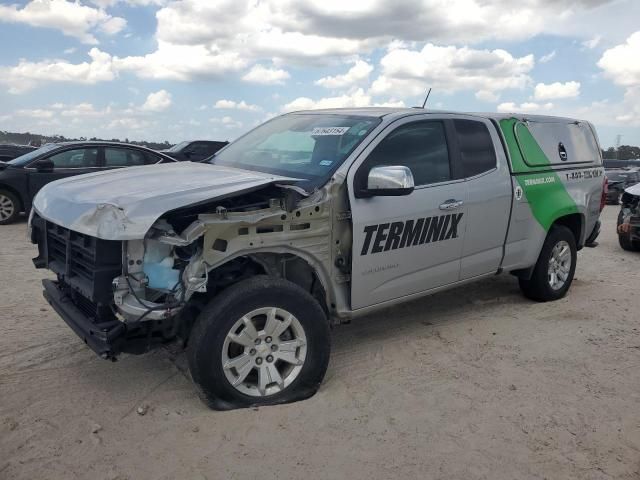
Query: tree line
624	152
37	140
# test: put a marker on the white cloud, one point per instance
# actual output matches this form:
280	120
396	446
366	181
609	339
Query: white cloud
556	90
266	76
113	25
620	63
182	62
391	104
356	74
157	101
81	110
356	99
227	122
510	107
27	75
621	66
548	57
126	124
35	113
593	42
407	73
287	32
459	21
71	18
233	105
487	96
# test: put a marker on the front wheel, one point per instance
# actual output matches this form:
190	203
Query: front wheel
554	270
263	341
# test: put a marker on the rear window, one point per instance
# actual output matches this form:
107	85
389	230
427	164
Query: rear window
477	152
556	143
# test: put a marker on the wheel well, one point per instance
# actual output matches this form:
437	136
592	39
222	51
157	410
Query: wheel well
575	223
13	191
283	265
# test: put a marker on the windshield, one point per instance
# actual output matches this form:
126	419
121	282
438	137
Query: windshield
176	148
309	147
27	157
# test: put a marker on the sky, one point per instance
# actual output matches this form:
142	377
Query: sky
212	69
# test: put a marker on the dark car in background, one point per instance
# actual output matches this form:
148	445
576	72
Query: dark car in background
194	151
9	151
619	179
21	178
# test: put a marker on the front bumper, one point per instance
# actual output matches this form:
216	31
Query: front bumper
109	337
106	338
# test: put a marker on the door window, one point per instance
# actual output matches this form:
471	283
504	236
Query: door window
122	157
476	147
77	158
421	146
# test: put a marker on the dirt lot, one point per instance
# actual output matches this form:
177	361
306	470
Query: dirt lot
473	383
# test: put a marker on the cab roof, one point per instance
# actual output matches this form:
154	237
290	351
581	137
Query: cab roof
396	112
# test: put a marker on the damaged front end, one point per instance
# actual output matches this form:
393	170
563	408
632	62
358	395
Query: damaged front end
85	293
130	295
629	218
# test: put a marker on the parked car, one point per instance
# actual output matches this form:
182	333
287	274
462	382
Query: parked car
10	151
310	219
195	151
22	177
619	179
629	219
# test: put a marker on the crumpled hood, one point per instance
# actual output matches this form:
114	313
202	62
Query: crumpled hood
122	204
634	189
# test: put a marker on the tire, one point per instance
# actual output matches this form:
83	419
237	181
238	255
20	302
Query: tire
541	286
222	336
9	207
624	239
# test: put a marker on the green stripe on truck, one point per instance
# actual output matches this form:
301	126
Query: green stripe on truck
544	192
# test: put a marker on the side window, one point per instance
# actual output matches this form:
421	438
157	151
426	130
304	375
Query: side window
122	157
421	146
77	158
477	153
151	159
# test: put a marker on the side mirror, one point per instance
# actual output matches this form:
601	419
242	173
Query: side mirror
390	181
44	165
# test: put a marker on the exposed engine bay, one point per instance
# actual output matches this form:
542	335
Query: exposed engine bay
204	248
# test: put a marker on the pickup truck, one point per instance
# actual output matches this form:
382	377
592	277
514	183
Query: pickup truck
309	220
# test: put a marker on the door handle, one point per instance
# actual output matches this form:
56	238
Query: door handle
451	204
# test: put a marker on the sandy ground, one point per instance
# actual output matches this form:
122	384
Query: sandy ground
475	383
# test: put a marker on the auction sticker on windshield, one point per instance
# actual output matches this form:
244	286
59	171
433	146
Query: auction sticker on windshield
320	131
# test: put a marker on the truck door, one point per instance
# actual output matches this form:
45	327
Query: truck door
407	244
489	193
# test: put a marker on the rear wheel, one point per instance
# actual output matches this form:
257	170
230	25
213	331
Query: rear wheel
624	239
9	207
555	268
262	341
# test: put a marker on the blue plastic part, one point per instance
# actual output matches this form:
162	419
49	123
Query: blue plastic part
161	275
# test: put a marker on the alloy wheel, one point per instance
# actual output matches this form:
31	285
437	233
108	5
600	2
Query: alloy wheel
264	352
559	265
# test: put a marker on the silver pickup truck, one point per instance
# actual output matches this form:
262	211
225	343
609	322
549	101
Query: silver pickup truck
311	219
